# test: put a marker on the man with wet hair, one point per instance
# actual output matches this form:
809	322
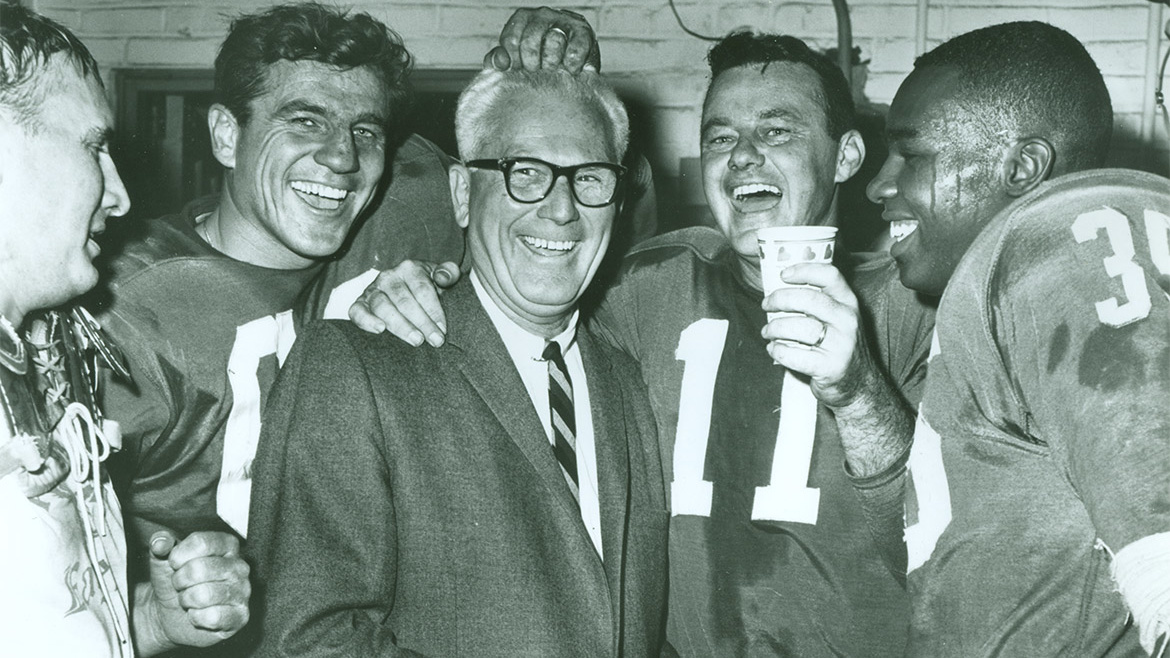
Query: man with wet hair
1040	467
307	100
63	557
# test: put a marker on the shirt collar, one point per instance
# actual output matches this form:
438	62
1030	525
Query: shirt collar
520	342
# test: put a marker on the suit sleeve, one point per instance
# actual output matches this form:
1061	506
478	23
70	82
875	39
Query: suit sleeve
322	523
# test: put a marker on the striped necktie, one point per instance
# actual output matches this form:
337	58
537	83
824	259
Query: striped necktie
564	422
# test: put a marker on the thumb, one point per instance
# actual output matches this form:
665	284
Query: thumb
445	274
498	59
161	570
161	544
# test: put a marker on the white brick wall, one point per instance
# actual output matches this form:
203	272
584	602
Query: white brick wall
647	53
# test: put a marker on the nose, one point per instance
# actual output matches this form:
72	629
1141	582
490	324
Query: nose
882	186
559	205
114	195
745	154
339	152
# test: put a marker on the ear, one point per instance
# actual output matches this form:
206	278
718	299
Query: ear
459	179
850	155
1029	163
225	131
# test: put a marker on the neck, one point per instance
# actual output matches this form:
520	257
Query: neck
749	269
10	307
246	239
546	326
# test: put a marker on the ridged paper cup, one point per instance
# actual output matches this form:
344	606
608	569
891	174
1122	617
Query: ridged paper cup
784	246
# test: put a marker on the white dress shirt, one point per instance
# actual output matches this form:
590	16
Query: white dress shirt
526	348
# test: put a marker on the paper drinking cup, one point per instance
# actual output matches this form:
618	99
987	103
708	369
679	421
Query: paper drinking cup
784	246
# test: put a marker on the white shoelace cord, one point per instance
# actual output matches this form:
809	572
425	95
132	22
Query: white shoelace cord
87	447
85	458
1141	571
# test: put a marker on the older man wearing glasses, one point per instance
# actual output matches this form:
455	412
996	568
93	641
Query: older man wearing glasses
500	495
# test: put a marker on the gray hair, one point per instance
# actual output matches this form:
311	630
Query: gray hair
478	113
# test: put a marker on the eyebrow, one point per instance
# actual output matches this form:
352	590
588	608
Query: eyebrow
99	135
770	113
294	106
779	113
896	134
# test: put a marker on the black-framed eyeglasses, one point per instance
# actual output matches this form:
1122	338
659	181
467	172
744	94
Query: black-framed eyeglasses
529	180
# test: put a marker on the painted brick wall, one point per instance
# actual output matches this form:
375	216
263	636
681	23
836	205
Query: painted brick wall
654	62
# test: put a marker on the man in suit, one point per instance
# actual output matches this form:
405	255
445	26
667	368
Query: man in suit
449	502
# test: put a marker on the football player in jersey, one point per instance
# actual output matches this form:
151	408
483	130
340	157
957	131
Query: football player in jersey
63	559
770	551
201	301
1038	516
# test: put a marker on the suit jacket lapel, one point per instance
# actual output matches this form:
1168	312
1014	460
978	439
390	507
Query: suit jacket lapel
488	367
613	458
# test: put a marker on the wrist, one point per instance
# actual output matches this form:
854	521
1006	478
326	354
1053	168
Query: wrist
150	636
876	430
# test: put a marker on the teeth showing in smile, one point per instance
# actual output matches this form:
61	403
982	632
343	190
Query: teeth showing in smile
551	245
902	228
741	192
317	189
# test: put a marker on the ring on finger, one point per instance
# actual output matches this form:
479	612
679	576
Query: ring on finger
821	338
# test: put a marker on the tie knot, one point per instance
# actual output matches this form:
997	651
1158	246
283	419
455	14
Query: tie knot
552	352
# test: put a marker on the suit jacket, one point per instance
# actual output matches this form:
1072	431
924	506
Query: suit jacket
407	502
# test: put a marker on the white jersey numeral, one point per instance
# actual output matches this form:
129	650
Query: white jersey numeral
1133	282
932	495
700	348
932	492
1158	233
788	496
270	335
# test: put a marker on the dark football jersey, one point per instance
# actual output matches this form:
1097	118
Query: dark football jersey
1043	440
204	336
769	551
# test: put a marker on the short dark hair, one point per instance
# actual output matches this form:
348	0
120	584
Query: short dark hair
1038	78
306	32
746	48
27	40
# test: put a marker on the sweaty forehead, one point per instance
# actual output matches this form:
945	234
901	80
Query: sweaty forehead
305	84
931	104
755	92
72	101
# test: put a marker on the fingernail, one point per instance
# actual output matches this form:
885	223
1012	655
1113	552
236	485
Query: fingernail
435	339
415	338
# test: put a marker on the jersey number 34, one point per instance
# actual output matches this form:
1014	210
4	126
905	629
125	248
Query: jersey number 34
1121	264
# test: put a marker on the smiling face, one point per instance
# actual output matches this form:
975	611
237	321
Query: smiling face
767	156
305	164
536	259
942	179
58	185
